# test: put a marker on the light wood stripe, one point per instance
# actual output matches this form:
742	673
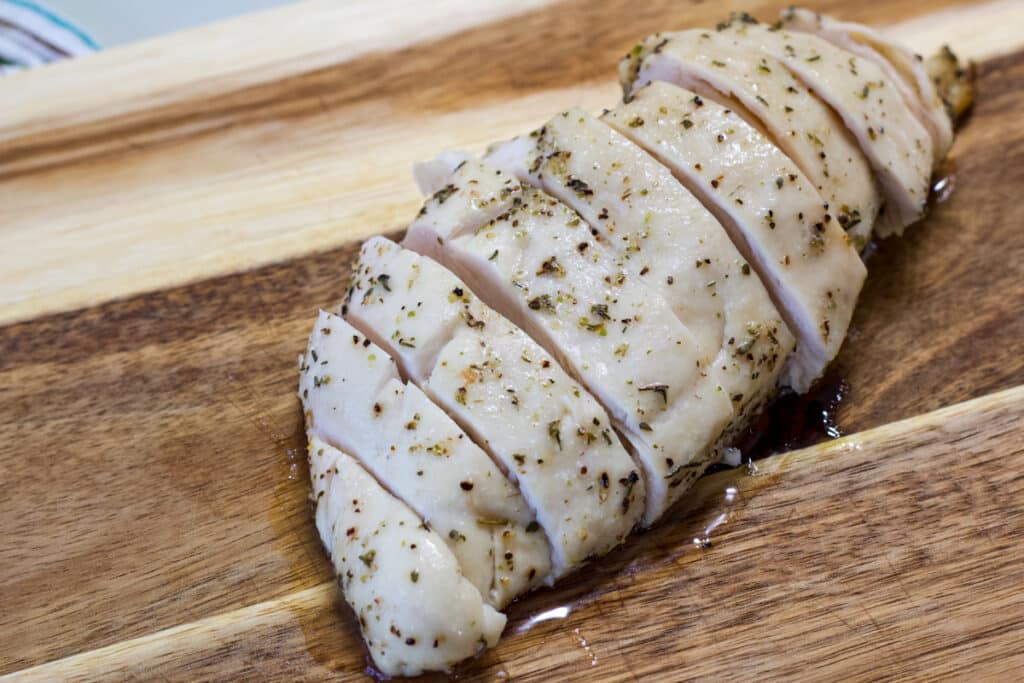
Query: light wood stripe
128	83
150	653
980	30
146	178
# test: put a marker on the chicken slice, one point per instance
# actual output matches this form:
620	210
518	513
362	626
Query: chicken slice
772	212
904	69
431	176
719	66
416	610
541	266
667	240
354	399
548	432
895	143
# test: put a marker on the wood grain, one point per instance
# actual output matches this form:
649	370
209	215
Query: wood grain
806	576
941	311
210	152
149	444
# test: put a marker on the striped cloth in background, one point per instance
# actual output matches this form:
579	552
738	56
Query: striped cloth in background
31	34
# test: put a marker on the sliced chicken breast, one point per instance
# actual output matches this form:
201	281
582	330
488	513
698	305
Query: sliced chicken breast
767	95
774	215
416	610
540	265
904	69
354	399
894	142
666	239
578	324
547	431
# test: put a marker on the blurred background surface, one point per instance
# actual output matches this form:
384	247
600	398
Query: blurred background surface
113	22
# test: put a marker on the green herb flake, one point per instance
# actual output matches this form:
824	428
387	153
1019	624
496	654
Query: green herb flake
551	266
444	193
554	431
541	303
579	187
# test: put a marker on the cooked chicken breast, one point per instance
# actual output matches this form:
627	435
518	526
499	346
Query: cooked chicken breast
767	95
772	212
549	434
894	142
541	266
577	325
354	399
664	238
416	610
904	69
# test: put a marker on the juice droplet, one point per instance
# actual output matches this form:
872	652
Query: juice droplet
794	421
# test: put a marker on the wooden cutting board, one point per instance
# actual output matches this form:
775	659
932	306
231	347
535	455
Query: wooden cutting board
171	216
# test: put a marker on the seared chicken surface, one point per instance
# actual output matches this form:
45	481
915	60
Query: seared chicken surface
540	265
893	140
354	398
415	607
546	432
582	320
904	69
762	90
773	213
666	239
